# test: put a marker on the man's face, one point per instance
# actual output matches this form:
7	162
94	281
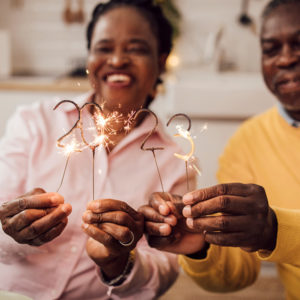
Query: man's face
280	43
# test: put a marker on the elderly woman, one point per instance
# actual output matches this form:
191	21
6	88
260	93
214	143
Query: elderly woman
65	246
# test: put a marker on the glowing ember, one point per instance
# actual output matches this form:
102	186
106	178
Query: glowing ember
186	135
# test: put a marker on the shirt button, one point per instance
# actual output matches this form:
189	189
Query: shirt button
73	249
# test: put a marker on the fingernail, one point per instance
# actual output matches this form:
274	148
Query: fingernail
163	209
163	229
55	200
190	222
88	216
187	211
95	205
66	208
187	199
171	220
85	226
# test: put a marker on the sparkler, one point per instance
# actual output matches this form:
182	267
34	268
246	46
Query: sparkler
186	135
104	126
100	138
73	146
152	149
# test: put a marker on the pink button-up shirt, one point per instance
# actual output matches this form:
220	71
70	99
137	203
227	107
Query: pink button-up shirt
62	269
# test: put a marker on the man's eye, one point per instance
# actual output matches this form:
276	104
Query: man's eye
297	45
270	51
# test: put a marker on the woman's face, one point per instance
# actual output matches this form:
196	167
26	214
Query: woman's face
123	61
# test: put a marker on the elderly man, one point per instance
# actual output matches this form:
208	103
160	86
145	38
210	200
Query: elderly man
261	213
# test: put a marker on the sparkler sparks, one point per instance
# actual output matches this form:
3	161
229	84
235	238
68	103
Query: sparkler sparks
104	127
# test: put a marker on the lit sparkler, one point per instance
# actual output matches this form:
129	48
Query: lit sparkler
186	135
100	138
73	146
104	126
152	149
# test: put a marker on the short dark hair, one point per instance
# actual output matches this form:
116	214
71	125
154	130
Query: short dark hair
272	5
160	25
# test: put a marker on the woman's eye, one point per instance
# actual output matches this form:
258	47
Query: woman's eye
137	50
103	49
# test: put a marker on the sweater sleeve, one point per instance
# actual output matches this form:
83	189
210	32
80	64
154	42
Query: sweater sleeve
288	242
225	269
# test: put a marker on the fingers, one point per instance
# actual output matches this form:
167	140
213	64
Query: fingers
35	191
116	217
120	233
158	229
45	200
224	223
159	202
151	215
234	189
49	235
225	204
100	235
44	224
23	219
107	205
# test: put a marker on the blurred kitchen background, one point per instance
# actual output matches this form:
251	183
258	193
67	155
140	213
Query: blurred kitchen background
214	76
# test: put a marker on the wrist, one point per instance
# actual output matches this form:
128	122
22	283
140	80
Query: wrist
270	235
120	278
114	267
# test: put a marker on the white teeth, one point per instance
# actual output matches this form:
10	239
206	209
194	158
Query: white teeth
118	78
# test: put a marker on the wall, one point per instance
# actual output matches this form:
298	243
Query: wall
43	44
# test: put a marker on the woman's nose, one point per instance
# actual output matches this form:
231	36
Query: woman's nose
118	60
288	58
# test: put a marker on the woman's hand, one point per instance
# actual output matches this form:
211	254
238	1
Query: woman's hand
246	220
166	228
35	218
114	229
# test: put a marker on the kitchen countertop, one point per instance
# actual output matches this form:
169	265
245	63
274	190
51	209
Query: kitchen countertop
47	84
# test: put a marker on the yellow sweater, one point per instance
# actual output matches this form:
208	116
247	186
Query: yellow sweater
266	151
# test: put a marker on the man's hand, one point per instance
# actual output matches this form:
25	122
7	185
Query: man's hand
246	220
114	229
166	228
35	218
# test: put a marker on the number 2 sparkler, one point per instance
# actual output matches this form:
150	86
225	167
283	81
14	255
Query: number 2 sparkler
152	149
71	147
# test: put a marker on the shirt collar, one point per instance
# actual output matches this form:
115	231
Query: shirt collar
287	117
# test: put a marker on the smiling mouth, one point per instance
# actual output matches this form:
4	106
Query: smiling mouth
289	81
289	85
122	79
